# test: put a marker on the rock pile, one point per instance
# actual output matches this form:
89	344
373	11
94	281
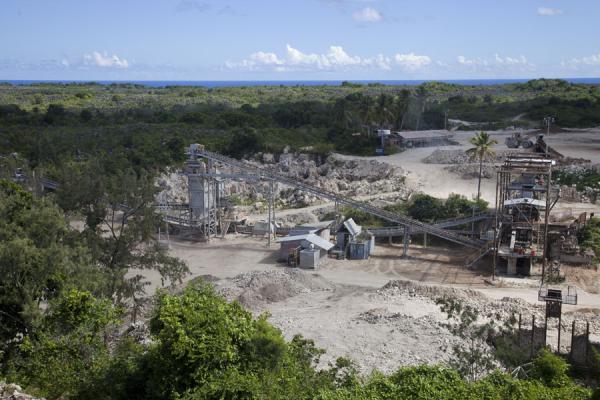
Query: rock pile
440	156
469	171
11	391
347	177
587	194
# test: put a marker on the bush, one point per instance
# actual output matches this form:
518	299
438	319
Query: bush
550	369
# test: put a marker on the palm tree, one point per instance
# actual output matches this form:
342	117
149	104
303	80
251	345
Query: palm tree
483	149
365	111
383	109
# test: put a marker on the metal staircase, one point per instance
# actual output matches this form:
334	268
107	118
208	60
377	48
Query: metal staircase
480	253
269	173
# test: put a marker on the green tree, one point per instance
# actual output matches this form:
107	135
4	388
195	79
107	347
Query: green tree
483	150
39	258
550	369
62	354
121	220
426	208
590	236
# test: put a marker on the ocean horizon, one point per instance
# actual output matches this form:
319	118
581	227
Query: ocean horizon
240	83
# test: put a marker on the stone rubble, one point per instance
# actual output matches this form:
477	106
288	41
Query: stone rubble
11	391
346	177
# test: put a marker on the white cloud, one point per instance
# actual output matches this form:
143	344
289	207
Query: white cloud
548	12
336	58
380	61
497	63
98	59
576	63
521	60
462	60
367	14
296	57
265	58
411	61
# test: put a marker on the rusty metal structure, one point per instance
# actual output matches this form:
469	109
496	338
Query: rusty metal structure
524	198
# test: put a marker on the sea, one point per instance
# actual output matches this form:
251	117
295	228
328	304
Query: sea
216	84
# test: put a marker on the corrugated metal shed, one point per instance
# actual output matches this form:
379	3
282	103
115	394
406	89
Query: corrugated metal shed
351	227
432	134
310	238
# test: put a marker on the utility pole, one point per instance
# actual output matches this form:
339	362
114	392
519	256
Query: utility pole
548	121
446	120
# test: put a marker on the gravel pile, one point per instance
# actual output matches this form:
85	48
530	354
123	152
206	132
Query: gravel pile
256	289
469	171
440	156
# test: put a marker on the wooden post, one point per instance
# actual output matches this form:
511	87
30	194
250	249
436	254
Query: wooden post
273	209
559	326
572	340
495	233
532	336
519	330
546	325
425	240
270	202
546	216
587	339
406	241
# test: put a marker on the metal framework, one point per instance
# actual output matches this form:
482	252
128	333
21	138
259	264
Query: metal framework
272	175
204	213
524	198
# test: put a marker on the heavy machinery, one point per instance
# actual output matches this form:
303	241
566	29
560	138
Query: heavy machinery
526	141
518	139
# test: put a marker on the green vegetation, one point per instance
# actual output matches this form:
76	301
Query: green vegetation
41	258
55	123
66	293
590	236
422	207
205	348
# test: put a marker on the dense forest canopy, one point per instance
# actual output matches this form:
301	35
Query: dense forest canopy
52	123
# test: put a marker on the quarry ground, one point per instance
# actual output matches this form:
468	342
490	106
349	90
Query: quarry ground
381	312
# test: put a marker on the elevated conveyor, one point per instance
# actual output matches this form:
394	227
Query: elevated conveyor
268	173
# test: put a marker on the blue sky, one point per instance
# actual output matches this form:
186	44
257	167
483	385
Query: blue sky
298	39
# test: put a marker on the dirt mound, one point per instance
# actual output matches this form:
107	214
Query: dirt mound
256	289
